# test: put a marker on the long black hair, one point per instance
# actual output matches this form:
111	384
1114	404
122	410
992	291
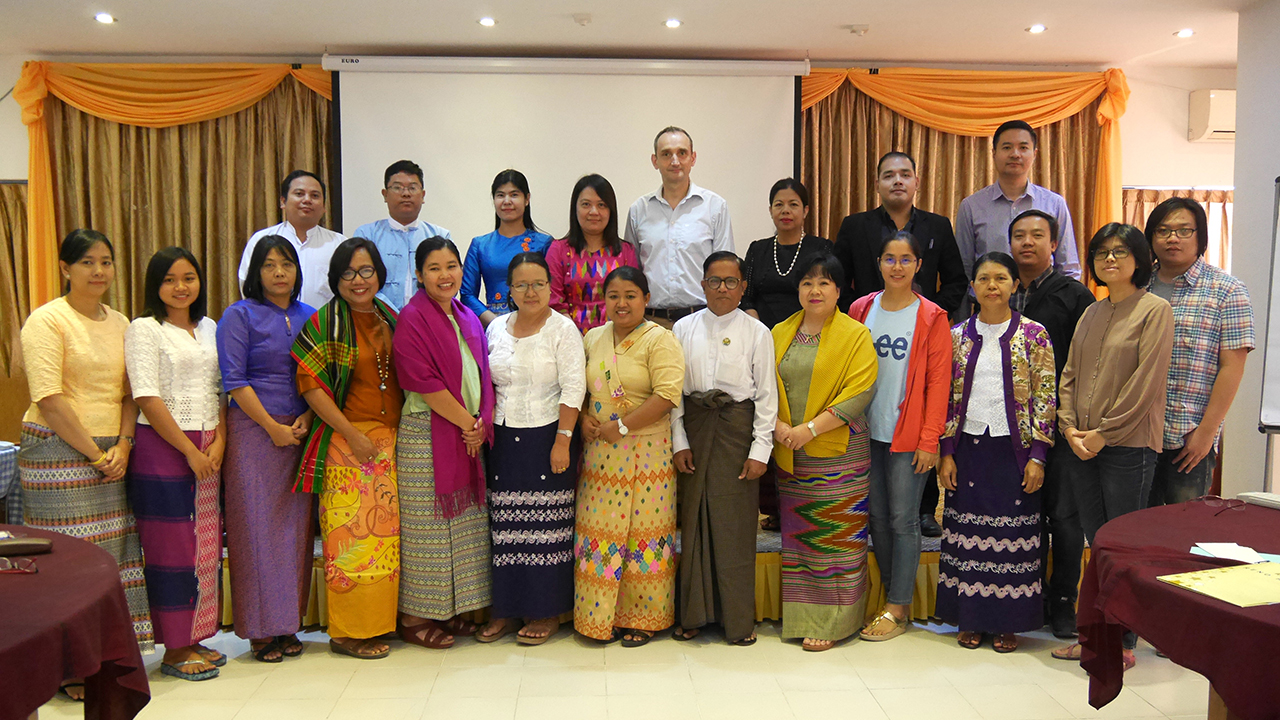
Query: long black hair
517	178
77	244
576	239
161	263
252	288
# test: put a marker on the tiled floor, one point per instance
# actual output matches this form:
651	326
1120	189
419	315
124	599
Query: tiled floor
922	674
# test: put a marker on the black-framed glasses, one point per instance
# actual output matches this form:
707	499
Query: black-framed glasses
1222	504
1119	253
365	272
730	283
1183	232
18	566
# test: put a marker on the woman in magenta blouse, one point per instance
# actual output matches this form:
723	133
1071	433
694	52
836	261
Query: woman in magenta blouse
584	258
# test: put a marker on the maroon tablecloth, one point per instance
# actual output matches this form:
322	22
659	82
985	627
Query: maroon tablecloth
68	620
1235	648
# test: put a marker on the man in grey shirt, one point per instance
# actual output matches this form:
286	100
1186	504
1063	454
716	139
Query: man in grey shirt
982	223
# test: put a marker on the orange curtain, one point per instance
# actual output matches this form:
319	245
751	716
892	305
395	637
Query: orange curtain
154	96
974	103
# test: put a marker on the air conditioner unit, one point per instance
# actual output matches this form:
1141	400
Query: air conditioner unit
1212	116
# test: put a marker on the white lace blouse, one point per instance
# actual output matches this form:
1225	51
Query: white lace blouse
986	412
164	361
534	376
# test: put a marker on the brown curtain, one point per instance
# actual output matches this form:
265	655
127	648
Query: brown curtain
845	134
13	307
1218	204
206	186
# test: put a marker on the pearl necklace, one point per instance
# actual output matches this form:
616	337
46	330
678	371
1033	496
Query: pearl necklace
794	258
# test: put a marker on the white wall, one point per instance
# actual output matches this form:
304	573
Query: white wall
1257	164
13	134
1153	130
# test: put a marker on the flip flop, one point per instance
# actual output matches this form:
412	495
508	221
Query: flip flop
62	690
639	638
260	654
746	641
1001	643
613	638
680	634
290	645
808	647
354	651
211	656
974	642
899	627
552	628
495	637
1070	653
172	670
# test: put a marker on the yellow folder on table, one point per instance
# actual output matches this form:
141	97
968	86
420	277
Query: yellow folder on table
1242	585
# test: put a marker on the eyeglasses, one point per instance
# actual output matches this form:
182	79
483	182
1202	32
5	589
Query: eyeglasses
537	286
1223	504
18	566
399	189
893	262
1163	232
730	283
365	272
1119	253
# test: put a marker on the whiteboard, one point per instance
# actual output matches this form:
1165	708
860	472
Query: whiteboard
1270	420
464	128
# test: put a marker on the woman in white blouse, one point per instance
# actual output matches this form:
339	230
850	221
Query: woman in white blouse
539	374
172	358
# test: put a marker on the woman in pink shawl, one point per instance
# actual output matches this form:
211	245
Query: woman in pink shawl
442	361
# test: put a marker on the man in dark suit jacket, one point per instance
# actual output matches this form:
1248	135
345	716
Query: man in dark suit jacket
941	279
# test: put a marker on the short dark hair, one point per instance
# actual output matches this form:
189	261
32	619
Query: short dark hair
1161	211
902	236
430	245
1033	212
628	273
671	129
341	260
408	167
823	265
524	258
1003	259
719	255
790	184
76	244
1014	125
895	154
288	181
601	186
1133	239
157	268
252	287
517	178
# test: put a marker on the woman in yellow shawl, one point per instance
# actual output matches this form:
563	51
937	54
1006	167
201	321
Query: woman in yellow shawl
826	377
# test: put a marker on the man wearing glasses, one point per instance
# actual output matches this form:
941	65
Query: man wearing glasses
398	236
1213	333
722	435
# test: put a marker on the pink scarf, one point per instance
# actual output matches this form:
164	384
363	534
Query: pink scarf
428	360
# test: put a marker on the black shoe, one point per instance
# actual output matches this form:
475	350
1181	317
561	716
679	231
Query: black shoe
1062	618
929	527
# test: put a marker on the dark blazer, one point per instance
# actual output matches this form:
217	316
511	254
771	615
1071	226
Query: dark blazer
941	279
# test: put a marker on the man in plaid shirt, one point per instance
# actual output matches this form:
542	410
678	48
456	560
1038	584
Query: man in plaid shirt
1213	333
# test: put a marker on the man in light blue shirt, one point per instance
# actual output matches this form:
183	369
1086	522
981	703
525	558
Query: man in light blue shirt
982	222
398	236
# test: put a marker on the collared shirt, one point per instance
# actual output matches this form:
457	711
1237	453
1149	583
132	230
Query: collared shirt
397	243
982	224
673	243
314	254
1018	301
732	353
1211	313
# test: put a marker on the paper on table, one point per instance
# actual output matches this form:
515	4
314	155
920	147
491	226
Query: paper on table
1266	557
1231	551
1241	585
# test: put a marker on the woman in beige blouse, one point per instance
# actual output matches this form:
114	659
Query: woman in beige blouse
1112	394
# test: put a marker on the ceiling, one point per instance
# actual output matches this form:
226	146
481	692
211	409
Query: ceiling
1122	33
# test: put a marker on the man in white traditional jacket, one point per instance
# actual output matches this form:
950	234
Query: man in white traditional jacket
722	434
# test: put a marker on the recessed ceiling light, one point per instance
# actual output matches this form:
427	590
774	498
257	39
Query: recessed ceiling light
1036	29
1185	33
487	21
673	23
104	18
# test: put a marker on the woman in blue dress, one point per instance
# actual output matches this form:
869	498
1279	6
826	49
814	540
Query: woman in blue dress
489	255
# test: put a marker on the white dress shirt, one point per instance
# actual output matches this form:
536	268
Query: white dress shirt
314	253
986	410
164	361
534	376
673	243
733	353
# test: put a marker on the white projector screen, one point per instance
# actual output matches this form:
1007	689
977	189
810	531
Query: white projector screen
464	128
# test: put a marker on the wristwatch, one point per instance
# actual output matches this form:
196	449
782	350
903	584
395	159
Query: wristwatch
812	430
566	433
622	429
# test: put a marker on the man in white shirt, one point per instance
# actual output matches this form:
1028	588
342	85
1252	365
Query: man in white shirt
675	228
722	435
302	200
398	236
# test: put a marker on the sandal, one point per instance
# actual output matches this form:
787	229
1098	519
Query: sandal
636	638
211	656
969	640
613	638
550	625
1070	652
459	625
174	670
683	635
430	634
62	690
899	627
1005	643
816	645
290	645
1127	659
771	523
262	649
484	637
747	641
355	650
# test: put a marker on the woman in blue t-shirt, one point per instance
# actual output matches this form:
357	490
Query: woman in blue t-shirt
489	255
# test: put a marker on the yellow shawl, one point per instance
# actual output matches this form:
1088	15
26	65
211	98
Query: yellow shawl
845	367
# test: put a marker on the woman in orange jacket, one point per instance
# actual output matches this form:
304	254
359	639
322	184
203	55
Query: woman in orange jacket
908	412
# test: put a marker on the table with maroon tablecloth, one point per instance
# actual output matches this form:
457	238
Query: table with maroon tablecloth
67	620
1235	648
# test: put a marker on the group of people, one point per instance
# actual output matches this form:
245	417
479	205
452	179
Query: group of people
536	449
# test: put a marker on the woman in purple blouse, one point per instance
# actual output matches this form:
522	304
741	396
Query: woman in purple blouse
269	540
